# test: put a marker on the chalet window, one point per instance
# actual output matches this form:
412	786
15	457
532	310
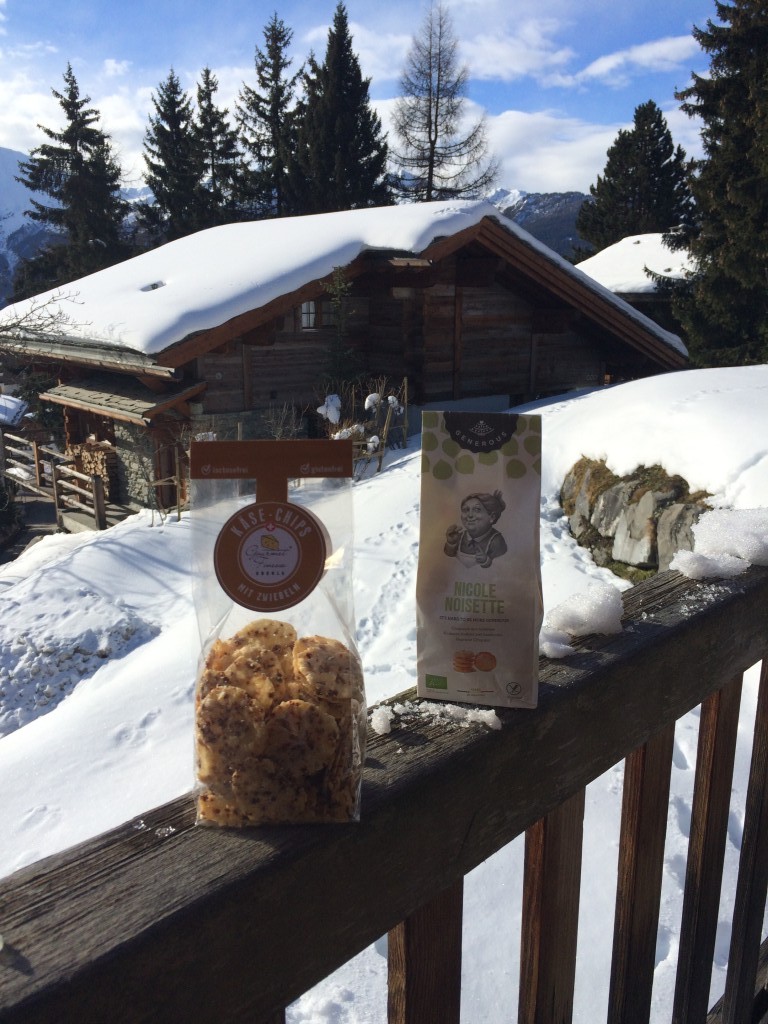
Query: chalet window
317	313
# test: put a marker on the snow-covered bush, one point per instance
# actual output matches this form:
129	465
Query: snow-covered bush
369	411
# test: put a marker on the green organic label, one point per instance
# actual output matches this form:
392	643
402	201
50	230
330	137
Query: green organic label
436	682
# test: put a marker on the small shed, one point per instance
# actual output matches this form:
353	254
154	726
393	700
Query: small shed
242	319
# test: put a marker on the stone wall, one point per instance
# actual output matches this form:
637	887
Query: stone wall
135	466
638	521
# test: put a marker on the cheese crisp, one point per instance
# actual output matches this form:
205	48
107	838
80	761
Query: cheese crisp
279	722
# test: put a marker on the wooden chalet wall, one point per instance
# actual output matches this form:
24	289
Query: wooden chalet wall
464	327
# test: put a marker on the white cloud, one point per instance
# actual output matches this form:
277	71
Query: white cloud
381	52
124	117
25	104
542	152
116	68
28	52
381	55
617	69
509	56
546	152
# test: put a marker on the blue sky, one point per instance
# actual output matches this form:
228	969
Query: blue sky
557	79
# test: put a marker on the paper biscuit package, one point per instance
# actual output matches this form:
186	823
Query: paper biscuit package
478	586
280	709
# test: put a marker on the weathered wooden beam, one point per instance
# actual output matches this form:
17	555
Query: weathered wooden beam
424	960
752	883
641	866
550	915
165	921
718	729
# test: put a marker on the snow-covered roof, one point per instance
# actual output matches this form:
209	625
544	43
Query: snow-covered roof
155	300
622	266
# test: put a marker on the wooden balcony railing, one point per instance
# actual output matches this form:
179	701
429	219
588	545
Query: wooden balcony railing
169	922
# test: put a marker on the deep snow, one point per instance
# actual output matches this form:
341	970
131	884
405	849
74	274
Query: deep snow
96	688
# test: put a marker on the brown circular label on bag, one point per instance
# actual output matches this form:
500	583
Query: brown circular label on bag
270	555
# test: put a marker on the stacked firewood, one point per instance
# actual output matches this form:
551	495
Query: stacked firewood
97	458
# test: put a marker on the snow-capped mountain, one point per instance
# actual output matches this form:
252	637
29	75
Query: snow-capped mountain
548	216
20	236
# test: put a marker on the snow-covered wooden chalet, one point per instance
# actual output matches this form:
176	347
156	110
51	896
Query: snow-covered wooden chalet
239	319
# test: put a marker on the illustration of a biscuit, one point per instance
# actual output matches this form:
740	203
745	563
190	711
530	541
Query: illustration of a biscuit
464	661
485	661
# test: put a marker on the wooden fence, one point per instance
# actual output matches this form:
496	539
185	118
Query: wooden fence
29	464
79	492
50	474
171	922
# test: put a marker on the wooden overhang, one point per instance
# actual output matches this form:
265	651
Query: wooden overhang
526	260
85	352
120	398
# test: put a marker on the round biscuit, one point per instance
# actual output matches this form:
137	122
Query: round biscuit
301	738
328	666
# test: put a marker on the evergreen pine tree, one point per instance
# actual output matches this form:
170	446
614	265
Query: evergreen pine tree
724	308
175	165
79	172
644	186
436	160
221	187
267	117
341	153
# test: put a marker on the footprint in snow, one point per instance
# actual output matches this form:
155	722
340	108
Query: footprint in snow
40	818
133	735
679	758
683	811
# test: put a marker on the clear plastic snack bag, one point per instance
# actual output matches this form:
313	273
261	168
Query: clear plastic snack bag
280	709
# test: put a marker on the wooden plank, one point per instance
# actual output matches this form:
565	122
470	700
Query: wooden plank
641	863
752	883
718	728
551	914
160	921
424	959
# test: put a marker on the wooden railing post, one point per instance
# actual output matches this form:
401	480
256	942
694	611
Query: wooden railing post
718	729
752	882
550	915
424	955
57	503
99	502
641	862
37	463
